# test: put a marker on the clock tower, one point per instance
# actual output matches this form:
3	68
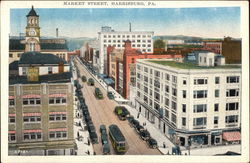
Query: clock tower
32	36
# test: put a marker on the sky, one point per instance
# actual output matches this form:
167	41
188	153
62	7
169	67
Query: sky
213	22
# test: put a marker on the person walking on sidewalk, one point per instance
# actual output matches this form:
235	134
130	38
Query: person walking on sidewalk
138	115
164	145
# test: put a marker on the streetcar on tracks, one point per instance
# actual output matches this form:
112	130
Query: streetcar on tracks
117	139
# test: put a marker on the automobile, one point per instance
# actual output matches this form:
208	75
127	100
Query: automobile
144	134
106	149
87	119
91	128
130	118
121	112
93	137
91	82
139	128
104	138
86	113
103	129
152	143
134	122
84	79
110	95
98	93
125	112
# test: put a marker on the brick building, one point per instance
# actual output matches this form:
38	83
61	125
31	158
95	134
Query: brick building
125	65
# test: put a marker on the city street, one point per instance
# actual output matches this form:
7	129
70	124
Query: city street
101	112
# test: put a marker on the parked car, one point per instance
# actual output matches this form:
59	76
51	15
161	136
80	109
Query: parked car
121	112
130	118
134	122
144	134
139	128
91	82
152	143
110	95
106	149
84	79
91	128
93	137
104	138
103	129
87	119
98	93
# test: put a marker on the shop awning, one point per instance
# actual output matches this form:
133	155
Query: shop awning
231	136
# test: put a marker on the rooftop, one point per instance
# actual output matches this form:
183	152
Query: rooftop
40	58
186	65
51	78
32	12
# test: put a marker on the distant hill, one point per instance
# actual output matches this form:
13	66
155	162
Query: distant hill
182	37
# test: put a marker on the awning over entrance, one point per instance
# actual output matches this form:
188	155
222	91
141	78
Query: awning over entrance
231	136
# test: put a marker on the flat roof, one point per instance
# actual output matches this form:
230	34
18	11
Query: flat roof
185	65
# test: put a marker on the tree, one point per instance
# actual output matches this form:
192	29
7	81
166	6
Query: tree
159	44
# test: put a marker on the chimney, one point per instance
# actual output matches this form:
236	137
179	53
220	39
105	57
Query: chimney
129	27
56	32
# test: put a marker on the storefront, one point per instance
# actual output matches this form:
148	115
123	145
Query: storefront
231	137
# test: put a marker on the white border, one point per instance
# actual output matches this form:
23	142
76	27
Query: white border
5	30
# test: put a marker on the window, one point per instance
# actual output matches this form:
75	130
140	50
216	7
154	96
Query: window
166	101
12	137
57	100
138	85
145	78
216	107
184	93
50	70
11	55
183	121
32	136
167	113
57	117
174	106
216	120
145	89
11	102
200	108
232	106
31	101
232	92
184	82
200	94
174	91
233	79
27	119
105	36
217	93
231	119
138	94
12	119
157	74
145	98
217	80
200	81
184	108
58	134
157	106
157	96
167	76
145	69
138	75
157	83
200	121
167	88
24	71
173	118
174	79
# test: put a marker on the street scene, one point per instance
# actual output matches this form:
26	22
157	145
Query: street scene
117	81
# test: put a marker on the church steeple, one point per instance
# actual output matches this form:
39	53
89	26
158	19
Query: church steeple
32	31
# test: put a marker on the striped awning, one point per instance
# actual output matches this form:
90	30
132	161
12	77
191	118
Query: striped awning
58	129
12	132
11	97
32	114
29	131
231	136
57	95
12	115
57	113
31	96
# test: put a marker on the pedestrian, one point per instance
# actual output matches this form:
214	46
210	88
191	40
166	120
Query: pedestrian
138	115
164	145
88	152
78	135
80	124
94	153
88	142
168	153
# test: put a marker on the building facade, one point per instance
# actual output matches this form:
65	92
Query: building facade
41	107
125	67
193	106
141	40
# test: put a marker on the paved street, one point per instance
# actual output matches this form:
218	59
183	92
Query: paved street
101	112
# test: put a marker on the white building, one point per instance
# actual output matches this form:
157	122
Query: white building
142	40
189	103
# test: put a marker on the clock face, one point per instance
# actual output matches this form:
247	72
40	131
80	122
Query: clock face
32	32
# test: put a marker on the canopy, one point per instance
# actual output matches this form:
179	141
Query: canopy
231	136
